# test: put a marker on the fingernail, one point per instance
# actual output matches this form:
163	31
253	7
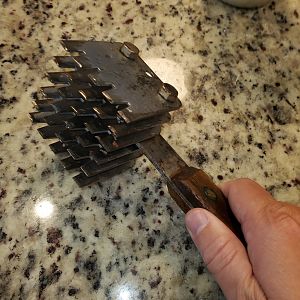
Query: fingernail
196	221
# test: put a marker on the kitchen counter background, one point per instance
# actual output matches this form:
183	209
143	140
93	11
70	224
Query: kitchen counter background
238	74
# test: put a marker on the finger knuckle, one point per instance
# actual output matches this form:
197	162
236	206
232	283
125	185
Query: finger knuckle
281	216
246	182
242	183
219	255
249	289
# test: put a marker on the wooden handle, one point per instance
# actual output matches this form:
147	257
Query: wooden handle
200	191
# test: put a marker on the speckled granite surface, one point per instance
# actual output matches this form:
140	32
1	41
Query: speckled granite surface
238	73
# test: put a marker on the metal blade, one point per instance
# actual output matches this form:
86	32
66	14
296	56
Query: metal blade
88	140
72	91
58	118
78	152
57	147
163	156
44	104
51	92
166	161
101	158
76	123
71	76
66	62
110	144
91	168
69	163
39	116
120	130
49	132
68	135
59	77
82	180
95	127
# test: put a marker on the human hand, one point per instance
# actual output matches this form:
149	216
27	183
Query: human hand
270	267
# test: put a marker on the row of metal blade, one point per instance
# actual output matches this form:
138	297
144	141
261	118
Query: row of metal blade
88	127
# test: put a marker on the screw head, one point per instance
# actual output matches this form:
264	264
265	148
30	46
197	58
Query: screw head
168	92
129	50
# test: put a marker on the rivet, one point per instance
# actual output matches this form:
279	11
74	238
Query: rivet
129	50
168	92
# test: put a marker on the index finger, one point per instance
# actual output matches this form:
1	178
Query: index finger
246	198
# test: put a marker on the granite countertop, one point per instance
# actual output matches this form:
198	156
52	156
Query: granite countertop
238	76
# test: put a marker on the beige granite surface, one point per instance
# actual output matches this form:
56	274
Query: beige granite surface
238	74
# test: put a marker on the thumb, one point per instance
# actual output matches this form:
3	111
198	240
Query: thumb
223	253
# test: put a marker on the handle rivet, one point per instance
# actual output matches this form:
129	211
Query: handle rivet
129	50
210	194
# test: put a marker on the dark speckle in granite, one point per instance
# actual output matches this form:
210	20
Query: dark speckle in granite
91	269
68	249
54	236
51	249
77	203
2	192
21	199
72	291
155	282
30	265
3	235
198	157
71	220
48	277
81	7
151	242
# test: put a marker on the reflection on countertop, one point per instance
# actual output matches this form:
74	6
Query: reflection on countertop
44	209
171	72
237	72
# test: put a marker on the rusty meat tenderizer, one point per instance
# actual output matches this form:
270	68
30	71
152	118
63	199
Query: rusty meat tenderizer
107	111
